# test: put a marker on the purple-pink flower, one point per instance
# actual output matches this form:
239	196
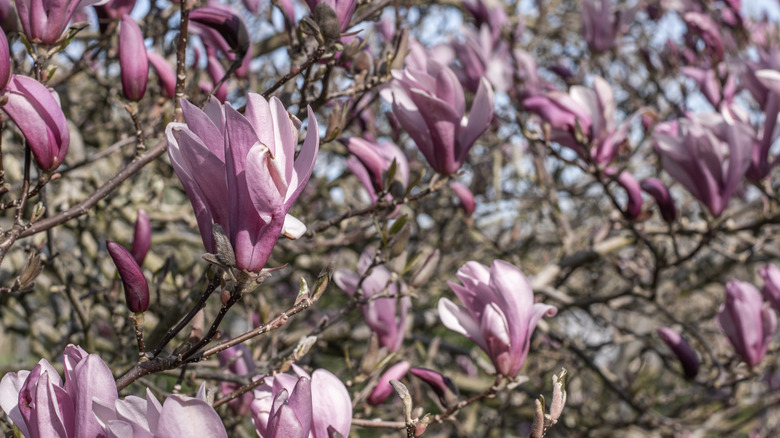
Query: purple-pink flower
583	120
142	237
771	291
240	172
383	388
660	193
370	162
601	26
40	405
707	154
499	314
133	280
748	324
178	416
328	408
431	107
385	316
43	21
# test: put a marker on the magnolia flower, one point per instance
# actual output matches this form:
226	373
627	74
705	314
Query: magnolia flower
706	154
660	192
329	408
385	316
442	385
583	120
383	388
240	172
499	313
43	21
748	324
165	73
370	161
178	416
41	406
601	27
771	291
680	347
481	55
465	197
36	111
431	107
133	62
238	360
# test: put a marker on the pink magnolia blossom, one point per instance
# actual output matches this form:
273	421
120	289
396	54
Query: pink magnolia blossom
748	324
431	107
383	388
44	21
771	291
584	115
499	314
442	385
40	405
465	197
328	409
370	162
483	56
707	154
165	73
238	360
601	26
660	192
680	347
178	416
385	316
240	172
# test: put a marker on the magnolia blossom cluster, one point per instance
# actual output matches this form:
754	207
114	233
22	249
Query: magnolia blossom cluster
87	405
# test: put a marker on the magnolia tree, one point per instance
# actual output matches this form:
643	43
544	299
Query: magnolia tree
340	218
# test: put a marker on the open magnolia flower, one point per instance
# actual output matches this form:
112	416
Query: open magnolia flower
240	172
499	314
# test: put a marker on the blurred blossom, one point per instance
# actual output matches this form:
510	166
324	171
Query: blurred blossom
489	14
133	280
113	10
707	29
771	291
431	107
240	172
719	93
480	56
178	416
748	324
601	26
383	388
760	163
344	10
370	162
385	316
216	72
499	314
40	405
634	193
680	347
142	237
221	27
238	360
707	155
165	74
663	198
465	196
442	385
583	120
330	407
133	61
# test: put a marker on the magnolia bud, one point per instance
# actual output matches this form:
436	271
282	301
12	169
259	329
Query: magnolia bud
133	61
142	237
133	280
442	385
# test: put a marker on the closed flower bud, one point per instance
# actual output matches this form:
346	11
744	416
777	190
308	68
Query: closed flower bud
133	280
133	61
383	388
142	237
680	347
658	190
442	385
771	290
